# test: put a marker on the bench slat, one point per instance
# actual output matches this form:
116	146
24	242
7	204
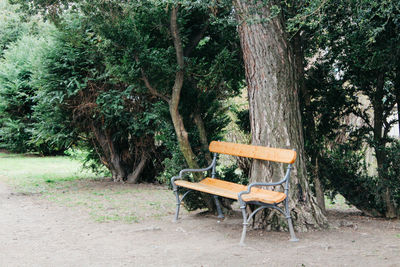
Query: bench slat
231	190
256	152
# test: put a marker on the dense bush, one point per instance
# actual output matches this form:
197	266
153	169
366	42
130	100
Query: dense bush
80	103
345	172
11	24
18	97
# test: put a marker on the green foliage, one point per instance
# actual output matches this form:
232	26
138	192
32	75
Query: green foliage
243	120
82	85
211	71
82	104
23	40
232	174
14	24
345	171
352	50
14	136
90	82
391	172
18	97
11	26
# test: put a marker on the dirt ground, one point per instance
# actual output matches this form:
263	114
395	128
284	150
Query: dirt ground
38	232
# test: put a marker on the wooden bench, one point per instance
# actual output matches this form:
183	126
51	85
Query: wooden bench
250	194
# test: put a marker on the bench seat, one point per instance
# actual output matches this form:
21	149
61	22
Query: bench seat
231	190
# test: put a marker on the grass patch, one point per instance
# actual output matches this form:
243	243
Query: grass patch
127	218
339	202
106	201
61	180
33	174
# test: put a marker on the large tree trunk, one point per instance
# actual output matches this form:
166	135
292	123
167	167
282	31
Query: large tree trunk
274	107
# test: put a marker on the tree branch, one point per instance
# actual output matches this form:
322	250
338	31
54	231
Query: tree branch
388	108
176	37
364	116
388	126
152	90
196	39
176	90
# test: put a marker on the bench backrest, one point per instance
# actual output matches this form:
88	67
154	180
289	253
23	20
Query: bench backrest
256	152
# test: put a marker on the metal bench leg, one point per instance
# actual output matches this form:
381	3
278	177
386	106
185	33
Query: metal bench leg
293	237
218	205
178	204
245	223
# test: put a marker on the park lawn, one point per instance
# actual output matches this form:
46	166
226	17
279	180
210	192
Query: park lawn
62	180
33	174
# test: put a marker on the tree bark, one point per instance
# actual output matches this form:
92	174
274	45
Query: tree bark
319	192
134	177
274	107
111	156
397	94
203	136
380	143
398	106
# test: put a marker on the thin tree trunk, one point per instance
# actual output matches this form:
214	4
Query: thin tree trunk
319	193
183	138
274	108
134	177
397	93
379	143
173	102
111	156
309	130
398	108
177	120
203	136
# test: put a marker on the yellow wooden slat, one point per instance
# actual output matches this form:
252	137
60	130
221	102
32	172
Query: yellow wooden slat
256	152
231	190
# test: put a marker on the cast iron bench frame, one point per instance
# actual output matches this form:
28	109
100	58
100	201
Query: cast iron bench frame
256	152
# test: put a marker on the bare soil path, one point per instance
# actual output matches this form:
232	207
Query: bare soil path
37	232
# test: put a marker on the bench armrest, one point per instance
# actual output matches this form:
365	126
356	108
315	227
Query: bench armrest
192	170
258	184
284	180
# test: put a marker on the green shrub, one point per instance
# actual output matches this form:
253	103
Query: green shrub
344	171
18	97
